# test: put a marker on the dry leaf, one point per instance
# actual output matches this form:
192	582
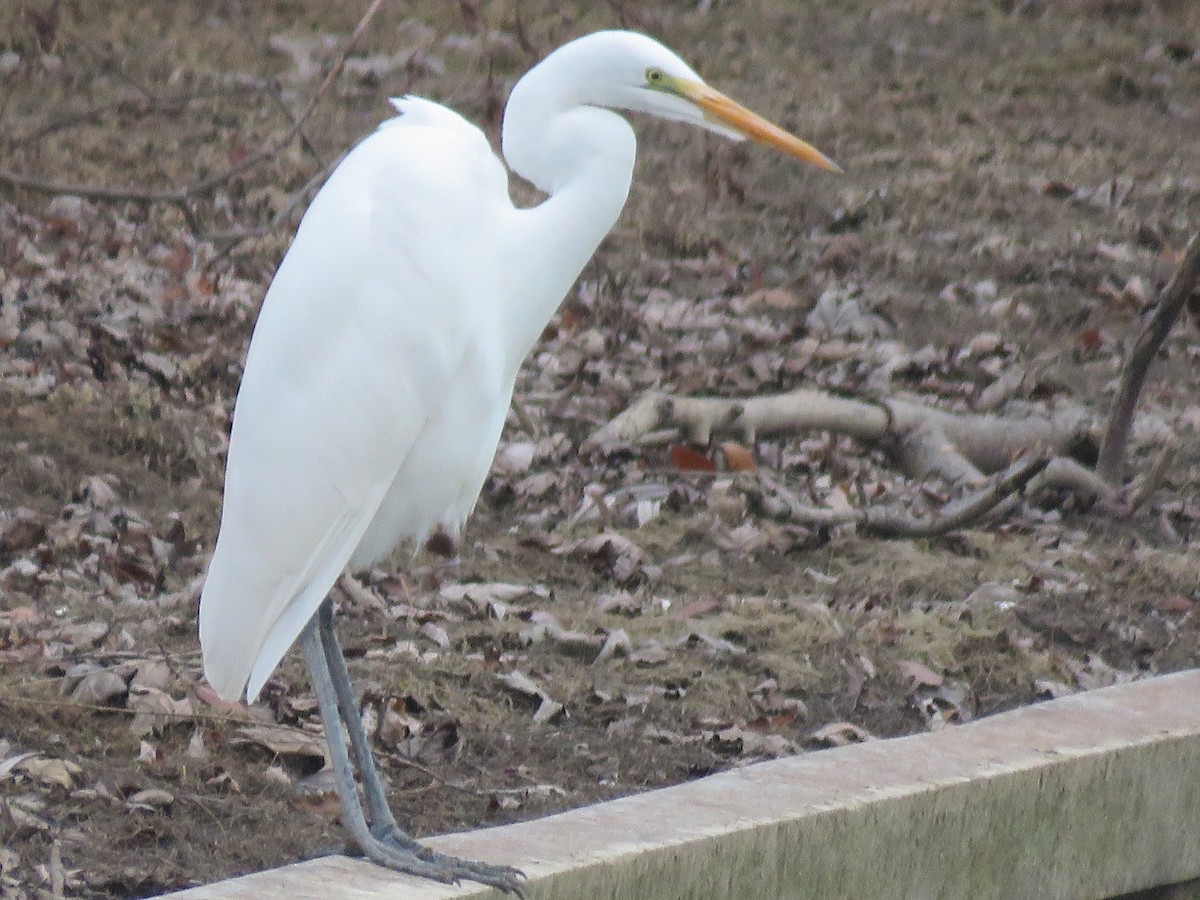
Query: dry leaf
436	633
738	458
521	683
918	674
615	642
49	771
155	710
101	687
686	459
773	298
283	741
151	800
840	734
9	765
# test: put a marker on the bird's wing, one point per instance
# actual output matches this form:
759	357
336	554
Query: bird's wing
360	335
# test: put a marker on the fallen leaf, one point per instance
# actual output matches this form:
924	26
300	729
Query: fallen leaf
101	687
283	741
49	771
9	765
773	298
151	800
436	633
615	642
841	734
155	710
686	459
515	458
150	754
738	458
918	674
1053	689
950	703
612	553
651	653
521	683
693	609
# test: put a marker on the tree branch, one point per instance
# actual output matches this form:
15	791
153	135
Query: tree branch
183	197
1120	421
894	522
925	441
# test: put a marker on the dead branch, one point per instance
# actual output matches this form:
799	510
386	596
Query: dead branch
1141	490
226	241
1120	422
140	105
92	192
924	440
183	198
1068	475
207	184
895	522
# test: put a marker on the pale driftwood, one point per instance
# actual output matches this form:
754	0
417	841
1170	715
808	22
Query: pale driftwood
1182	286
1066	474
960	447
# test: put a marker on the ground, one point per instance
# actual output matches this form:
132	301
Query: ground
1021	177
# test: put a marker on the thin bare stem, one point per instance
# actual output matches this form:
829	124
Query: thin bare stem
183	197
1120	421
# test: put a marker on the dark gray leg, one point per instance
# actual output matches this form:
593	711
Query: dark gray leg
409	857
379	813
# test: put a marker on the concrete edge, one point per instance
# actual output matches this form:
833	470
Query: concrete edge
1088	796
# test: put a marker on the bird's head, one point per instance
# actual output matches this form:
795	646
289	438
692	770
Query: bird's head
627	70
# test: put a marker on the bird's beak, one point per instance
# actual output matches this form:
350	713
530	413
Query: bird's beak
720	109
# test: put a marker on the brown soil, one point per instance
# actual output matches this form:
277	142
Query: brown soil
1021	179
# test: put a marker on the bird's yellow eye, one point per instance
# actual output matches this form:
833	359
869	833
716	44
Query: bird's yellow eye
655	77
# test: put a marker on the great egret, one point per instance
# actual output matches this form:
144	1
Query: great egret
383	361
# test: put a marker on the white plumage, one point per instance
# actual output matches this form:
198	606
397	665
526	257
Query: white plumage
383	360
374	389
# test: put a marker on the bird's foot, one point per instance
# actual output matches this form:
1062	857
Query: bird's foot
392	848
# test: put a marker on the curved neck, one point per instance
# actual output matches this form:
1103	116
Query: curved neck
583	157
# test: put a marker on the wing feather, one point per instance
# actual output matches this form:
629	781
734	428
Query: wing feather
357	344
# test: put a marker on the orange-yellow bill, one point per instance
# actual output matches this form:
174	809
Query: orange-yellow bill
720	108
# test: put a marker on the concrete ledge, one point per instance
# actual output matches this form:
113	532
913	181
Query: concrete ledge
1089	796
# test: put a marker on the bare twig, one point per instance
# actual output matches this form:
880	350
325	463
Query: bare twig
207	184
409	762
1067	475
183	197
228	240
90	191
1141	490
51	703
140	105
277	95
894	522
1120	422
1004	486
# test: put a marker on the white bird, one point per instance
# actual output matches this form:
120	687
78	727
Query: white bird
383	361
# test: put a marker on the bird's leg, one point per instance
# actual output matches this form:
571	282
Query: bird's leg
379	813
410	858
